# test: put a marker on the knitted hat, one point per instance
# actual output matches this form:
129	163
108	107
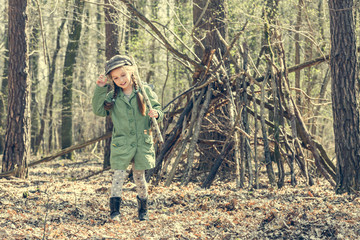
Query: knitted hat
116	62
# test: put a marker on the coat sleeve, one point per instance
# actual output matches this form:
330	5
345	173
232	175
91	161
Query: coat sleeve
100	95
154	102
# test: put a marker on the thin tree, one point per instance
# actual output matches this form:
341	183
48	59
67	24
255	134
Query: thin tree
3	92
34	78
69	65
17	138
297	50
343	64
47	110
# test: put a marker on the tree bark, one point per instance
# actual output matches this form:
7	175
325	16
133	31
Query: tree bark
17	138
343	64
267	155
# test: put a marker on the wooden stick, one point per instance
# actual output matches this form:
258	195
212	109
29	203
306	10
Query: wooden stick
148	103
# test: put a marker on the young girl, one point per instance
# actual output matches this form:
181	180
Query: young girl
131	138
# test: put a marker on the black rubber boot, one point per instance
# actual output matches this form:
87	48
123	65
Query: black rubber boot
143	209
115	203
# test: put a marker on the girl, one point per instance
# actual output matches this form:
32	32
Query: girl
131	137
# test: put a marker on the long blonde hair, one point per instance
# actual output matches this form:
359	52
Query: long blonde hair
139	96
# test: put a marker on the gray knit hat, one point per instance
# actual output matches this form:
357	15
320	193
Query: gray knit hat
116	62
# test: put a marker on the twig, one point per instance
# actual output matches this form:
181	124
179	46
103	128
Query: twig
46	55
134	11
93	174
47	211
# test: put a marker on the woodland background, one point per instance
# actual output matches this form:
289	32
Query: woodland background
215	65
304	29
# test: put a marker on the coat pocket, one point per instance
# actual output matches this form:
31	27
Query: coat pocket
118	142
119	149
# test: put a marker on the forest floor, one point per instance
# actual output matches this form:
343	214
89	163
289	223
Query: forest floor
52	204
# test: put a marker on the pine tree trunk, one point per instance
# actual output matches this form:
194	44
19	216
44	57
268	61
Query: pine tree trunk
70	62
343	64
17	138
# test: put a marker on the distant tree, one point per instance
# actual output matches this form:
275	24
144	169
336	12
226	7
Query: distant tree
297	49
34	78
17	138
4	92
49	97
343	64
69	65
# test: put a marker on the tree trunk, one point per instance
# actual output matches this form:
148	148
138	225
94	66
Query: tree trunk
70	62
17	138
297	51
213	14
34	78
269	16
4	93
48	103
343	64
242	101
111	49
209	19
267	154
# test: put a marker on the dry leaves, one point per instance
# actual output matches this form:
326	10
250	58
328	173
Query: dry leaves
50	205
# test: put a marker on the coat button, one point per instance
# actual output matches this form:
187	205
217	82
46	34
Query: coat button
131	120
132	132
128	107
132	144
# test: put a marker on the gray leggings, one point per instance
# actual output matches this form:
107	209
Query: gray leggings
119	178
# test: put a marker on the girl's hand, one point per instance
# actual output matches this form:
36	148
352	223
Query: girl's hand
153	113
102	80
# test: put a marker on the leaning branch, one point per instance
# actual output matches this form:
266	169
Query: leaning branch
70	149
58	154
301	66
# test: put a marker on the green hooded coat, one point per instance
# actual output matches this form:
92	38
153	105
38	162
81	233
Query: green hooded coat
129	138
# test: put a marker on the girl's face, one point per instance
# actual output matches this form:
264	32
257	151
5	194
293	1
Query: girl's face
122	79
